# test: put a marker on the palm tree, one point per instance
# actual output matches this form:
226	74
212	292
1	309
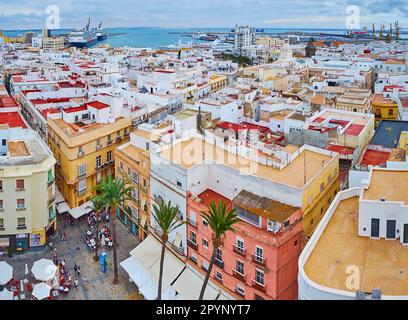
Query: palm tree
114	193
165	216
98	205
221	220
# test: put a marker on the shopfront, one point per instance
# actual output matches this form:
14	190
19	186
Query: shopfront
22	242
38	238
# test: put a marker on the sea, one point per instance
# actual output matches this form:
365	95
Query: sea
149	37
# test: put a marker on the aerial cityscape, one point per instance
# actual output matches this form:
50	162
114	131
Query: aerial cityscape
169	155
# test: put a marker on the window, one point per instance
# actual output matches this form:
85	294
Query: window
109	156
21	222
260	277
135	177
249	217
1	185
82	170
329	178
240	267
128	171
273	226
218	254
3	142
390	112
239	243
121	166
259	254
286	224
240	289
82	185
205	265
109	139
193	257
98	161
179	184
193	237
80	150
147	146
1	223
1	205
218	275
20	204
20	184
322	187
205	243
205	223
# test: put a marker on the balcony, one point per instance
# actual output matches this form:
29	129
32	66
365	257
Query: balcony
239	250
109	142
242	294
126	134
118	139
81	192
81	154
98	147
219	263
192	245
99	168
179	215
20	207
238	275
157	198
81	175
261	261
258	286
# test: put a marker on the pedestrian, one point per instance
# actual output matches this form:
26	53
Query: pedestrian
65	236
55	253
78	271
85	282
76	283
51	246
75	268
63	263
107	218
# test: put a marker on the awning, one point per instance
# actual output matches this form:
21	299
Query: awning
63	207
41	290
189	284
58	196
172	265
83	209
136	272
147	252
4	242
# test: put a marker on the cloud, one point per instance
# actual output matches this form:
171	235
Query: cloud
24	14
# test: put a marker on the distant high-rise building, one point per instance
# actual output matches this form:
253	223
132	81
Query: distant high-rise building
244	36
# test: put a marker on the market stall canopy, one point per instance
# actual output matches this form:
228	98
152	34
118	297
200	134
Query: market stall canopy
63	207
58	196
44	269
6	272
83	209
6	295
41	291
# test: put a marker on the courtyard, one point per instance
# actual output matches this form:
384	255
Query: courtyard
75	252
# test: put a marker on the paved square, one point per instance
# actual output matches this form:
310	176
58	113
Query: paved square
75	251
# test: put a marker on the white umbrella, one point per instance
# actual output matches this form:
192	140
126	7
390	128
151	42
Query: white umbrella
6	295
44	269
6	272
26	272
41	291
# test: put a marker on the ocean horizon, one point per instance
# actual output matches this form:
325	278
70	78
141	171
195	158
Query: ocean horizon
155	37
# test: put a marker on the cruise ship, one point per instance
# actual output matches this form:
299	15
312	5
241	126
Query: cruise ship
83	38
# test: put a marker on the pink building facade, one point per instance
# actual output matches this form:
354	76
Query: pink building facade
259	259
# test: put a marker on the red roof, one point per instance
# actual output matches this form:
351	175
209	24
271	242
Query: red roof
354	129
18	79
45	112
7	102
24	92
13	119
242	126
75	109
67	84
208	196
97	105
340	149
50	100
375	157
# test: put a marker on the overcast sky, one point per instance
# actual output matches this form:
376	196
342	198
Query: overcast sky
24	14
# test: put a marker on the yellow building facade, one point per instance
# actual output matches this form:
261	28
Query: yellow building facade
384	108
132	162
85	158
